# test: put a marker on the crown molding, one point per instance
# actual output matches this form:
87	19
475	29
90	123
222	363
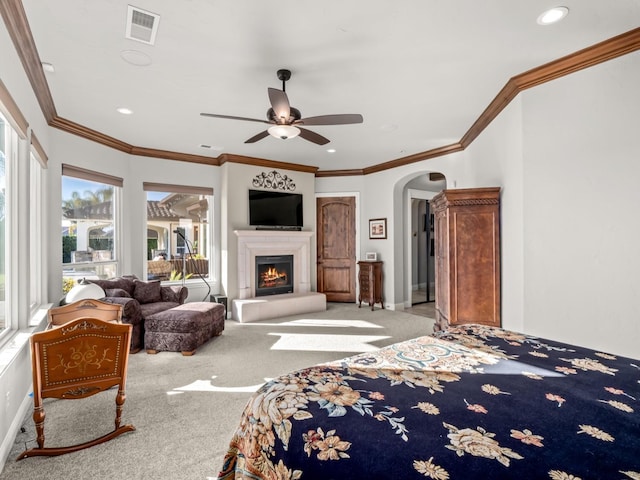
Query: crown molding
340	173
169	155
17	25
261	162
599	53
15	19
418	157
588	57
93	135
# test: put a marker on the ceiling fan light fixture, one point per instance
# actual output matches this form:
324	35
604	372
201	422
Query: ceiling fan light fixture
283	132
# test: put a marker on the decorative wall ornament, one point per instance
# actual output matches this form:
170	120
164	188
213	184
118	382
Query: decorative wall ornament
274	180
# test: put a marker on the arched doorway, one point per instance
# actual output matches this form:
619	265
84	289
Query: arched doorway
419	242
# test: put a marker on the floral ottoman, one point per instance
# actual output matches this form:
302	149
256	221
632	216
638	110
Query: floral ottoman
183	328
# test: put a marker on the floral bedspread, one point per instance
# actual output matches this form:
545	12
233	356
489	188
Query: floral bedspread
473	402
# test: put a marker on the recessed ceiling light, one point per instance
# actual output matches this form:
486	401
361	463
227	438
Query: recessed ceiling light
331	150
48	67
553	15
125	111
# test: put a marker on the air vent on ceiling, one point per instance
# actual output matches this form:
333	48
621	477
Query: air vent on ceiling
142	25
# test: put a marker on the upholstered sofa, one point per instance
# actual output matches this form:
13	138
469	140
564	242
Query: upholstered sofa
139	300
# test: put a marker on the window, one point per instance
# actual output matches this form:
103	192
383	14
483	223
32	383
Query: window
14	213
36	244
89	225
5	133
178	236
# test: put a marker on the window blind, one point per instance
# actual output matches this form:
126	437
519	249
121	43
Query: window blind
165	187
10	110
84	174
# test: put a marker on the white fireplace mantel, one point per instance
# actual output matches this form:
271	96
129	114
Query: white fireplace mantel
252	243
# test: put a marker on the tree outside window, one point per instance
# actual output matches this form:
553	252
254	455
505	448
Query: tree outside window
88	230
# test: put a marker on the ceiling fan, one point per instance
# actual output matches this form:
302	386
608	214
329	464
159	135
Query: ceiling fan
287	122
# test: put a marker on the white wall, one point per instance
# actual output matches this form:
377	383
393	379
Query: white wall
134	170
236	181
382	195
566	157
145	169
73	150
230	182
494	159
581	200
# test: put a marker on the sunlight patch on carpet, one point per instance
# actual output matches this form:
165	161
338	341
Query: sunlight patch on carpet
325	322
208	386
317	322
326	343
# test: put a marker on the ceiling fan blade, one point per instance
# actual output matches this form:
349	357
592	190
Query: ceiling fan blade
257	137
231	117
280	104
340	119
313	137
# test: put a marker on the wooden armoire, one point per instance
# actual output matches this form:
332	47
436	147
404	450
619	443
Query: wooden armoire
467	251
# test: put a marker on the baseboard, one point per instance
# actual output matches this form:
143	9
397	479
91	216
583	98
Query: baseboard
9	439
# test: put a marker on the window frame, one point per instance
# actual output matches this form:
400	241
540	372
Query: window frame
36	257
20	316
208	192
11	149
117	183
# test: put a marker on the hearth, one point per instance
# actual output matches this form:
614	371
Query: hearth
274	274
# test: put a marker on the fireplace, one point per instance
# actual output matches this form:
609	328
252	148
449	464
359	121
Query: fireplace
274	274
253	243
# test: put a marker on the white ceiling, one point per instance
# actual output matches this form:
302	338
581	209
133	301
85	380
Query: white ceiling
419	71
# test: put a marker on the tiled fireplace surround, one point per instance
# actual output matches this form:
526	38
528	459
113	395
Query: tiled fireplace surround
251	243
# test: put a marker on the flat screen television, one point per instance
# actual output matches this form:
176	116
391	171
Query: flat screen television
275	209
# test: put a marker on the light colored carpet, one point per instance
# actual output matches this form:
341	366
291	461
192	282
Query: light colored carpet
185	409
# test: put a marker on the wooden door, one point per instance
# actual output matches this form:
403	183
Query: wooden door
336	230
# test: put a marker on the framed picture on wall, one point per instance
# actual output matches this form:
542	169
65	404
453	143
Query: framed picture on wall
378	228
371	256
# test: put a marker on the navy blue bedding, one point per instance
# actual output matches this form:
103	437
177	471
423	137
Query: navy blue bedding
472	402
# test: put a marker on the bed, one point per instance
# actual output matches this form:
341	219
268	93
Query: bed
471	402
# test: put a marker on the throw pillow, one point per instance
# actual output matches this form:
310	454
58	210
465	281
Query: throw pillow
125	284
171	294
147	292
117	292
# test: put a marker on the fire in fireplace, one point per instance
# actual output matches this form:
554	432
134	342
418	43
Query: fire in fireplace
274	274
